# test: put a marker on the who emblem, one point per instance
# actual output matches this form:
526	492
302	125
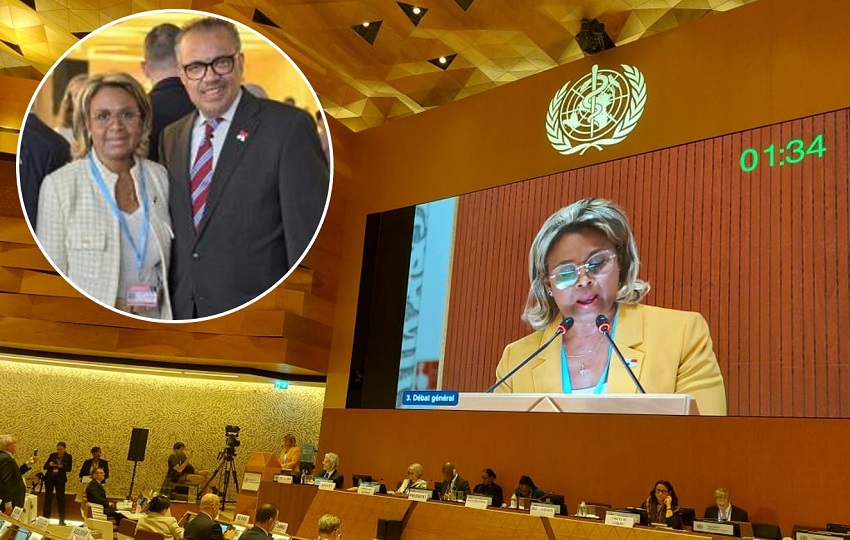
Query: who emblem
600	109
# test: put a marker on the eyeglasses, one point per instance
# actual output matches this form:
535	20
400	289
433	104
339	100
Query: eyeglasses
222	65
661	490
566	275
104	118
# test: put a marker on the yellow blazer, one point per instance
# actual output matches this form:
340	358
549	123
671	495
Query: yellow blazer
673	351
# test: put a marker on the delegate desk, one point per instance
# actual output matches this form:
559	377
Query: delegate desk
301	507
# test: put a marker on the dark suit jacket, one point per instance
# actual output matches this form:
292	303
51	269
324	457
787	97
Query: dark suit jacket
59	476
336	477
42	152
85	470
493	490
738	513
203	528
12	486
255	533
96	494
460	485
266	200
170	102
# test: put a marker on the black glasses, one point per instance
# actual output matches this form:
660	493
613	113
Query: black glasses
223	65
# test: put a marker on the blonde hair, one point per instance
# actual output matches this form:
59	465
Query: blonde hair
598	215
69	99
123	81
722	493
329	523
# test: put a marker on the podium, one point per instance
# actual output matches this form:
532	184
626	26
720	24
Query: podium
264	464
663	404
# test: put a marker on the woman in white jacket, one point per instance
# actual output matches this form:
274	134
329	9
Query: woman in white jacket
103	218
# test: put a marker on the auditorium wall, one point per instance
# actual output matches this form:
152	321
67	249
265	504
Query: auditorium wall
754	66
87	407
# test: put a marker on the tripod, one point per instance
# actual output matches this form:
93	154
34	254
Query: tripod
225	463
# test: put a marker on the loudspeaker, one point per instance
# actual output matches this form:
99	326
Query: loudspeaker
138	444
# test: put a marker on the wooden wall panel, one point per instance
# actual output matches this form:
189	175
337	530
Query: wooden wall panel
762	255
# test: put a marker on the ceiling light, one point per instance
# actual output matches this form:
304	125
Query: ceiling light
414	13
368	30
443	62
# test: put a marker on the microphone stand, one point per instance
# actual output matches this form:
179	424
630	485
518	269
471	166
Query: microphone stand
565	325
604	326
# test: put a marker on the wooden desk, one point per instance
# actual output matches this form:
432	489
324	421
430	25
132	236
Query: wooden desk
302	506
292	501
359	513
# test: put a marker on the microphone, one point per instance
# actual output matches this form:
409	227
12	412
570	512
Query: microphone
604	326
565	325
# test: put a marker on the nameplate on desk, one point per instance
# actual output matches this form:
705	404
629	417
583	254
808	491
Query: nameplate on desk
242	519
543	509
283	478
620	519
421	495
327	485
41	522
478	501
715	527
280	527
366	490
79	533
251	481
16	513
809	535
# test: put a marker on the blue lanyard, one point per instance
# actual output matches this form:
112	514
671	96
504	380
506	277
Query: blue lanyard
139	250
566	382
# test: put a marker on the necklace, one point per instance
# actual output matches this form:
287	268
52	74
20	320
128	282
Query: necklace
582	370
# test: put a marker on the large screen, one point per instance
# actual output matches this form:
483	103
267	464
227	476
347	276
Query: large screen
749	229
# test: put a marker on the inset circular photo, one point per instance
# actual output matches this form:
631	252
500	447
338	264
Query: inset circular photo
175	166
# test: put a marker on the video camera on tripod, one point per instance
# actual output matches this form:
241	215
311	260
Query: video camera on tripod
225	472
232	442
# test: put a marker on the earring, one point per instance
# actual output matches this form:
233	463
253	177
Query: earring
549	292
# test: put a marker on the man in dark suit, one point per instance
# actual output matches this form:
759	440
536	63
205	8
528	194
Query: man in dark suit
42	152
13	489
95	462
453	484
264	521
724	510
96	494
203	526
249	181
169	100
57	467
330	464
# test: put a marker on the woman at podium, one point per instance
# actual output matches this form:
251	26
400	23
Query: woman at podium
583	266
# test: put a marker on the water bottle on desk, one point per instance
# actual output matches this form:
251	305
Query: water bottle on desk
582	509
513	501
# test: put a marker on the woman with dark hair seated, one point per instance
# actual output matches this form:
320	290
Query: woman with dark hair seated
159	520
662	505
489	488
527	489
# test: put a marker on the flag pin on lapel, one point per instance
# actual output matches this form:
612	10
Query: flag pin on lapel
633	363
242	135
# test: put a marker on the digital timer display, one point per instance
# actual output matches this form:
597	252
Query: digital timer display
794	151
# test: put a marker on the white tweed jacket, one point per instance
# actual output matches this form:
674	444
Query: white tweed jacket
80	235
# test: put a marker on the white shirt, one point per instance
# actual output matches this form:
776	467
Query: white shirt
219	135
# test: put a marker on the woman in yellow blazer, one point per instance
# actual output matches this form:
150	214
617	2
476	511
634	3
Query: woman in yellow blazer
583	263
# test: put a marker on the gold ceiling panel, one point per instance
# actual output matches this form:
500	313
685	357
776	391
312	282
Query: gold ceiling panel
363	85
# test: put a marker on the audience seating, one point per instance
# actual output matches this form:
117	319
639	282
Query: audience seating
105	527
148	535
126	530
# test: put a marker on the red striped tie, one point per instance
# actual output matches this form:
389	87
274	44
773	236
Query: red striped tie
201	173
